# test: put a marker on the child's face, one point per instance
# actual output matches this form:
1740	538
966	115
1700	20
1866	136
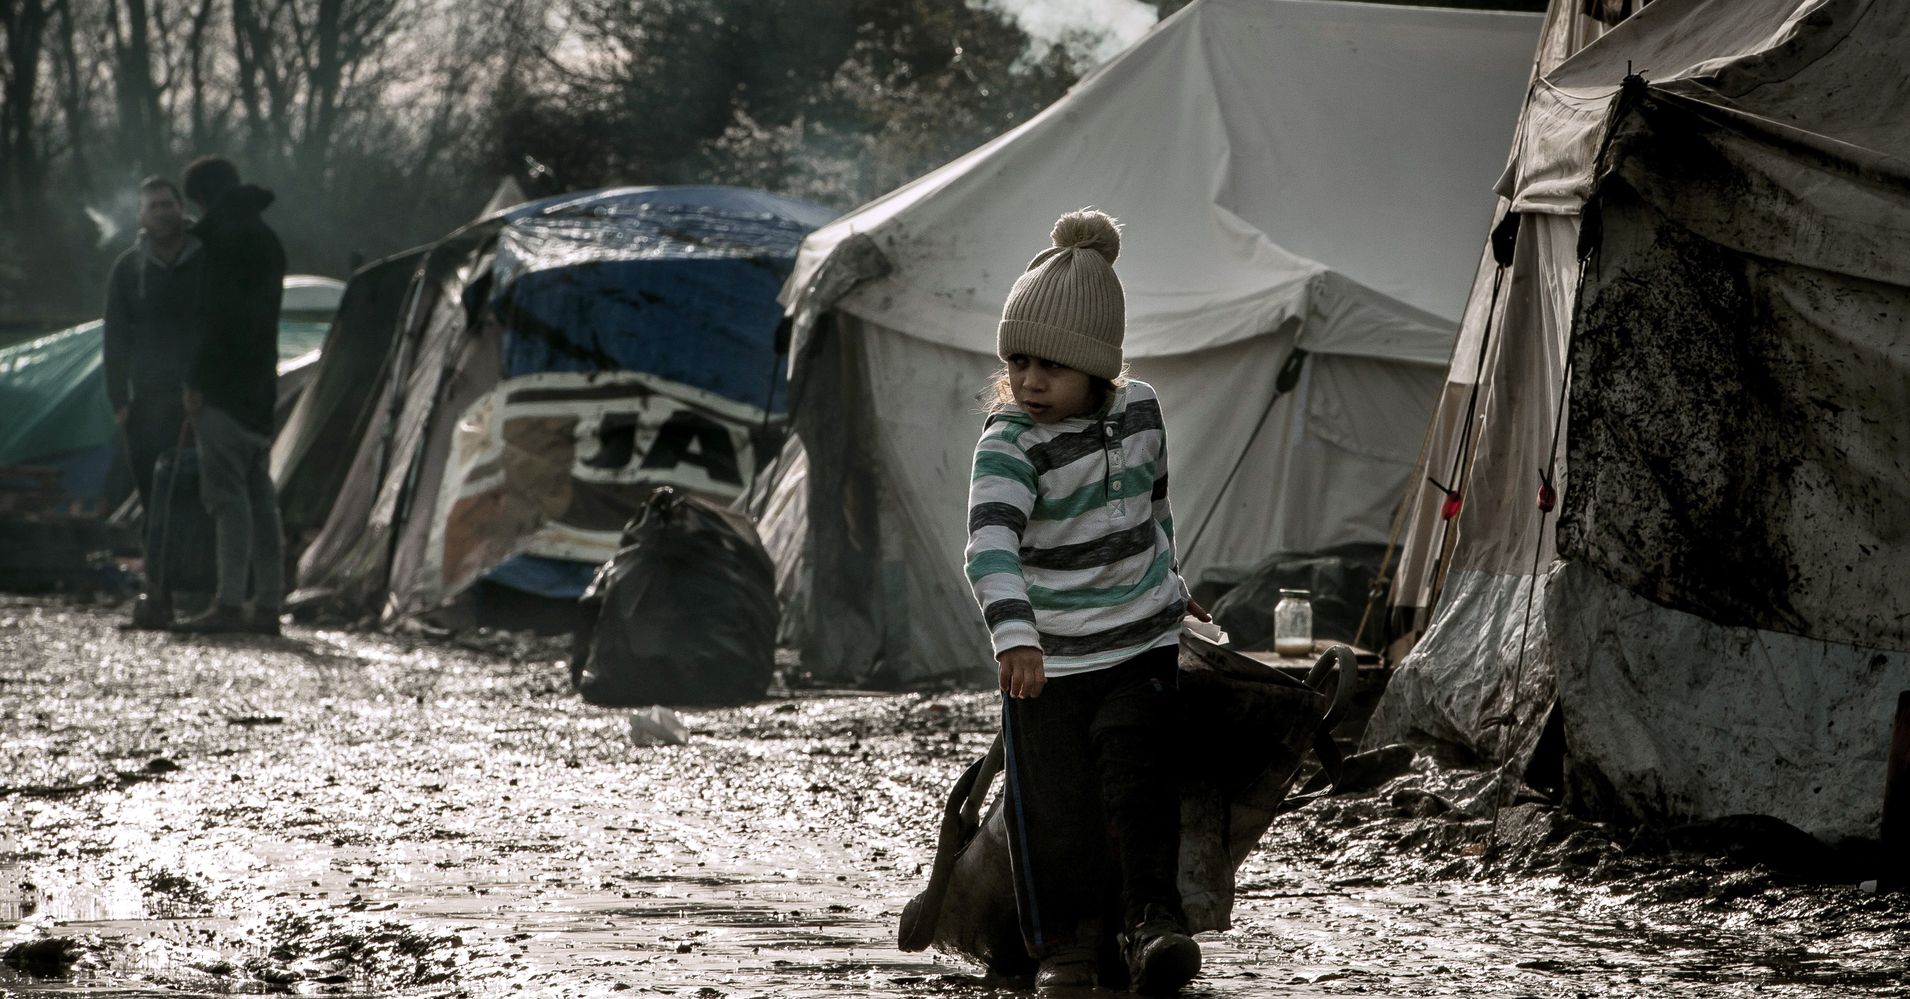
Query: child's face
1048	391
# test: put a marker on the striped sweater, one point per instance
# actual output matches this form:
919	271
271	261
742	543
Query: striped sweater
1070	538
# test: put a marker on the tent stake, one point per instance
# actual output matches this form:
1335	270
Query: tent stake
1896	799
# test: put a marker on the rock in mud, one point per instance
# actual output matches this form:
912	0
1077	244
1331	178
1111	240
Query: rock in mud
49	957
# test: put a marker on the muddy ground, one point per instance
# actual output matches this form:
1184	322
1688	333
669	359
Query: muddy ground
346	814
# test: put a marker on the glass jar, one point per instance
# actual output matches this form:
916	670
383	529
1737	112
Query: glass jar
1293	624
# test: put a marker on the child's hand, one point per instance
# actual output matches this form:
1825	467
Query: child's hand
1022	673
1199	612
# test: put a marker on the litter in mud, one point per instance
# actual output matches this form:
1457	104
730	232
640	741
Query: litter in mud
657	726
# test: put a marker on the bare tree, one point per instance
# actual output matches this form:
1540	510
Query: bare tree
139	128
24	24
74	91
196	65
382	123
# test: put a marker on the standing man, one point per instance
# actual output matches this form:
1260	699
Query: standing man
231	386
152	323
153	318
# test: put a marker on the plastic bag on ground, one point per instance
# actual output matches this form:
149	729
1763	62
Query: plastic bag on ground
657	725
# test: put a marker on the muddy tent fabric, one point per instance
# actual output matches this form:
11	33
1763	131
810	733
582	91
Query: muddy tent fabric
551	364
1291	176
329	418
53	390
1717	616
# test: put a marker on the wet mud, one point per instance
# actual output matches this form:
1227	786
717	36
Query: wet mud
371	815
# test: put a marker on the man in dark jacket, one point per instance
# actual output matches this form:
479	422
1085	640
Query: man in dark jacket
152	327
231	386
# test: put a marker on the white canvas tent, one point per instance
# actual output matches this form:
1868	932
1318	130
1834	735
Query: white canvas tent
1714	618
1290	173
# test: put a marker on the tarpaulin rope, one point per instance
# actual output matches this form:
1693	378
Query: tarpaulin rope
1547	500
1590	239
1383	581
1504	241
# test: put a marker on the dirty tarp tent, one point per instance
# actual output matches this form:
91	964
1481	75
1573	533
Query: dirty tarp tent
330	416
1719	614
53	391
551	364
1260	217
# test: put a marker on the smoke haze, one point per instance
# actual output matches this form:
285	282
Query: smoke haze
1112	24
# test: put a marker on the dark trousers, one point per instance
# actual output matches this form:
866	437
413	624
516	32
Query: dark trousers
153	420
1090	764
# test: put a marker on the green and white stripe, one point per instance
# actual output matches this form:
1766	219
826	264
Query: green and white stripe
1070	537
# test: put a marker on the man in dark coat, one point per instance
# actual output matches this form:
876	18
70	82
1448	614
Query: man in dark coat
152	328
231	386
153	318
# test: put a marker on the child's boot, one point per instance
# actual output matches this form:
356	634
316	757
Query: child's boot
1160	956
1067	968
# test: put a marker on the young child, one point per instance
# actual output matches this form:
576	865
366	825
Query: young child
1071	554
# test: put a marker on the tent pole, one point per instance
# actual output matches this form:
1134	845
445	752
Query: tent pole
1382	583
762	434
1896	798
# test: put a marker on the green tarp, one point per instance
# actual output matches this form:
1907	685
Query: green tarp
53	395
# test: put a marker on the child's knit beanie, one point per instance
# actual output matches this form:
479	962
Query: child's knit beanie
1068	307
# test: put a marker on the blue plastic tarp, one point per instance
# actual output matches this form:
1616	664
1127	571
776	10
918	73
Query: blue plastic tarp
556	578
677	282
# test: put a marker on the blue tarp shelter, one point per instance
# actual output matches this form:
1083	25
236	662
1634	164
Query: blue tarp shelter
554	362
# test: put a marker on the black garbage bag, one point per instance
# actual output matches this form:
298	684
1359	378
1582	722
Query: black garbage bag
684	613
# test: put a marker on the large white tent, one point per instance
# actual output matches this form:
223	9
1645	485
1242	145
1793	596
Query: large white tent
1703	328
1290	174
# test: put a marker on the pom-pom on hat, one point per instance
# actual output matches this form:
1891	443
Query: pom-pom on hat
1068	306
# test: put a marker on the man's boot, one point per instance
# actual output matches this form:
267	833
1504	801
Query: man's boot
220	619
151	612
264	621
